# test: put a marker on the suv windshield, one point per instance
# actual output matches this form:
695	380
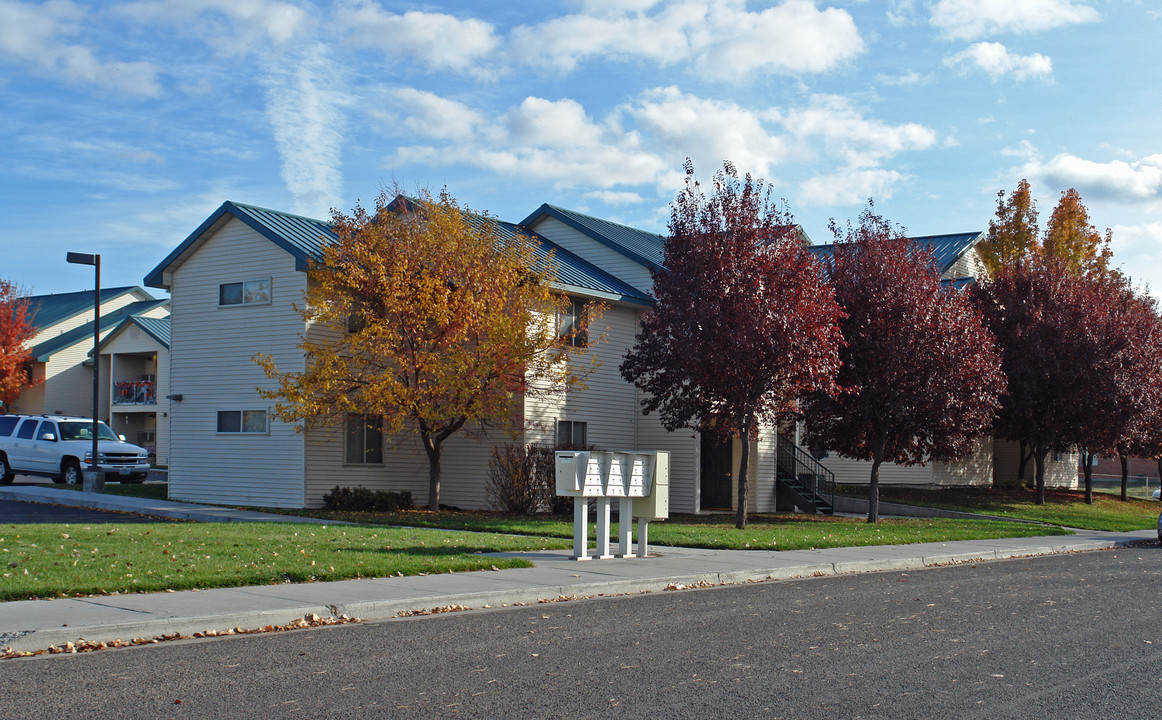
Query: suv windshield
80	430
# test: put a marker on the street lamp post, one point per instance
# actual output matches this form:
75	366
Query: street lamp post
94	480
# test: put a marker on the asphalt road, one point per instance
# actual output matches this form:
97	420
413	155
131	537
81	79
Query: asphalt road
1074	636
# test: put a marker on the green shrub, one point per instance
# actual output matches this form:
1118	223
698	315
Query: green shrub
365	500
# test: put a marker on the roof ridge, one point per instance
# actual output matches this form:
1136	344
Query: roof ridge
283	213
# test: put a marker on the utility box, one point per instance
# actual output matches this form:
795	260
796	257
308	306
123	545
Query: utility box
655	504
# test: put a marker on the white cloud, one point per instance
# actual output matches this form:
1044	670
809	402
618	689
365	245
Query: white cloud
306	108
859	141
36	36
709	131
996	60
231	27
849	187
643	143
438	40
971	19
1138	251
723	39
908	79
613	197
1130	182
429	115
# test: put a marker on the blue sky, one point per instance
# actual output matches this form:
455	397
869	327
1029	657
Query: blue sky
124	125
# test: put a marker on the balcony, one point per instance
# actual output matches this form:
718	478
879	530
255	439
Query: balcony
134	392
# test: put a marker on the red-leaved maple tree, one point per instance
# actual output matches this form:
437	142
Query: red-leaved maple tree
16	329
921	376
1120	347
744	324
1052	328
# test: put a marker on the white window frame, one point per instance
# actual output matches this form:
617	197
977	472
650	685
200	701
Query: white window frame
574	318
243	303
242	422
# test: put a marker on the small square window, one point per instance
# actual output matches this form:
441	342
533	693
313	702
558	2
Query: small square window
229	421
364	440
571	433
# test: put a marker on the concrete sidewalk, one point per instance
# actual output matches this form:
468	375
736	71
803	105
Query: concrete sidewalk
37	624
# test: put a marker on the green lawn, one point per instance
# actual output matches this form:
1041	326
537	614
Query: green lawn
764	532
54	560
1066	508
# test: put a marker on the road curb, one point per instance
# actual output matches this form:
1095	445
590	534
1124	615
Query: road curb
35	639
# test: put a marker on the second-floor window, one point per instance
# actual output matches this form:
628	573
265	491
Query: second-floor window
249	292
232	422
571	324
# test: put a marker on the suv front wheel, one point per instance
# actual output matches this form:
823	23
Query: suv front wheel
71	472
6	473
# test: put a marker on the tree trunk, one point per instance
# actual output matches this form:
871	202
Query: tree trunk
1039	454
743	475
432	448
1125	474
873	489
1025	453
1087	458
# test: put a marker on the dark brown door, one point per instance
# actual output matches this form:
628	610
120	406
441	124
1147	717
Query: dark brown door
716	467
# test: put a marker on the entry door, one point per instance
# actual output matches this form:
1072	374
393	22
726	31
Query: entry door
717	462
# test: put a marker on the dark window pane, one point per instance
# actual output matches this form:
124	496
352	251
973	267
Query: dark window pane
373	444
354	437
564	432
230	294
229	421
254	421
580	431
7	424
27	430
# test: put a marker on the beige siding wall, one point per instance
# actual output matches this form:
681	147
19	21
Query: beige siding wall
31	400
68	385
80	319
976	469
858	472
1007	459
211	367
968	265
603	257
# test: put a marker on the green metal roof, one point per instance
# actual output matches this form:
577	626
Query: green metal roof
300	236
48	310
304	238
44	350
946	249
156	328
640	246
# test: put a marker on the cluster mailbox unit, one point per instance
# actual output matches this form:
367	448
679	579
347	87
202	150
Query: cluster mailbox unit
639	480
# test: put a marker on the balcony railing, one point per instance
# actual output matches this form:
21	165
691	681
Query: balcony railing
134	392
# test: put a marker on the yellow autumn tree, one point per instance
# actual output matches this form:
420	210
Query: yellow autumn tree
1072	241
1012	236
429	317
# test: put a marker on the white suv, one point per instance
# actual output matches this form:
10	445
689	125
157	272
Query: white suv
58	447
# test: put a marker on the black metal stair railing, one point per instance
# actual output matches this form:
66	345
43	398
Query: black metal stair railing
804	476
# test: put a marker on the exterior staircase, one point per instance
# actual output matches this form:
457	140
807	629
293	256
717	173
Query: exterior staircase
801	481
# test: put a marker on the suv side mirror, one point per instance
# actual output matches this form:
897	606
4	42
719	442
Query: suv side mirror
48	437
121	438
